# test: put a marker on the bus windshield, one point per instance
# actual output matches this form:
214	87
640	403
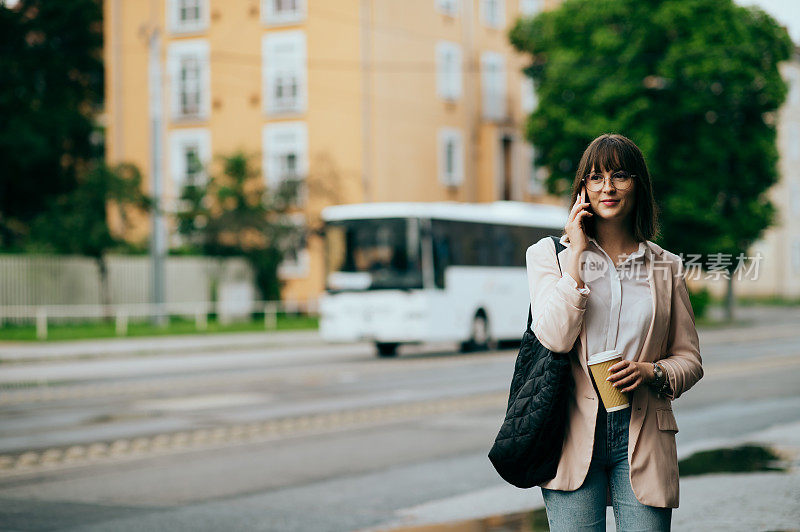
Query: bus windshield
382	253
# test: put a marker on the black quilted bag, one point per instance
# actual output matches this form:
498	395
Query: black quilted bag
527	448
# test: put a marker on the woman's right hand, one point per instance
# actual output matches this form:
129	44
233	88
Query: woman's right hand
575	228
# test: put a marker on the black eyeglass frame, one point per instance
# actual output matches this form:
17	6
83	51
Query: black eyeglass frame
587	176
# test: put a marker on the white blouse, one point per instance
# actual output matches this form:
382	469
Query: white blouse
620	307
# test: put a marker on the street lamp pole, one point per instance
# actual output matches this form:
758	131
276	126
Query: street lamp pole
158	244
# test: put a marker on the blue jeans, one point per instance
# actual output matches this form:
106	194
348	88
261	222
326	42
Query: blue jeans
585	507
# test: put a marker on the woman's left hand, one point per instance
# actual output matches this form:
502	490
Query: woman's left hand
627	375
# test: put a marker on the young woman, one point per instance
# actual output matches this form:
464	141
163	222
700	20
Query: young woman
618	290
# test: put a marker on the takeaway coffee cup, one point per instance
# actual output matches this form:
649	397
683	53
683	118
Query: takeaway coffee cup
613	399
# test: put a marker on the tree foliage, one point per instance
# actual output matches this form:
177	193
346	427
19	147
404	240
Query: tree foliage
76	223
51	86
234	214
694	83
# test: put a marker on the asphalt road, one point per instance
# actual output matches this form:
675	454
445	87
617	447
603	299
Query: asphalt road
325	438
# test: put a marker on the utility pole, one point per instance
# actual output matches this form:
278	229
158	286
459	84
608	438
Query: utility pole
158	243
367	174
472	80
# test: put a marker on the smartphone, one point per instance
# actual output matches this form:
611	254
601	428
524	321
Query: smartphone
583	198
588	220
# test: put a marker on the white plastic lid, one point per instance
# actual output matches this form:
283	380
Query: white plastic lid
603	356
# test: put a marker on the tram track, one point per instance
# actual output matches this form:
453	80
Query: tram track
34	461
56	458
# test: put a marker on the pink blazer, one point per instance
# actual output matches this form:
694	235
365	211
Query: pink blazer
558	311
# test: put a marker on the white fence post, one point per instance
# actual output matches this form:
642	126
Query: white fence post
270	316
201	320
41	314
122	322
41	323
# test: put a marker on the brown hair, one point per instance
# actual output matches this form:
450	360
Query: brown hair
611	152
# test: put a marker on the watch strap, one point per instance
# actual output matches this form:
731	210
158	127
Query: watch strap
660	375
662	382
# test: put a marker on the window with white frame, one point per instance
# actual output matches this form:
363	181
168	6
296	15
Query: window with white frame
528	99
285	151
189	85
451	156
447	7
529	8
189	153
189	79
448	70
284	72
493	13
296	258
191	156
493	85
185	16
283	11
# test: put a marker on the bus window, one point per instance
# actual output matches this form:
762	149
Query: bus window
388	249
457	243
512	241
504	246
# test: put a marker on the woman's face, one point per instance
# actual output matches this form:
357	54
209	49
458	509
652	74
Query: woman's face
611	203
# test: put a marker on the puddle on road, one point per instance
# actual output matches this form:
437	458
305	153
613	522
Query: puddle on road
741	459
532	521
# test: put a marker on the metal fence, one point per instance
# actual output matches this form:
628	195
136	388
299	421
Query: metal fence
45	315
27	280
52	289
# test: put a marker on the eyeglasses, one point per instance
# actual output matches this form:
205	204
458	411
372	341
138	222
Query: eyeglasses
621	180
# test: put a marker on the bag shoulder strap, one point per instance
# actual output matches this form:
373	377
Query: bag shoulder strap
559	246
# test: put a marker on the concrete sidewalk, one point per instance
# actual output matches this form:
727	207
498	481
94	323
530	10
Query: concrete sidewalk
152	345
714	502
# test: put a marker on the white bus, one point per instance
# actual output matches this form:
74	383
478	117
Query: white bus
403	272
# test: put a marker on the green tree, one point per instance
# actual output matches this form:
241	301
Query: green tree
694	83
51	87
235	215
77	223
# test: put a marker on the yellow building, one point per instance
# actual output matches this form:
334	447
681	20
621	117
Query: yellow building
375	100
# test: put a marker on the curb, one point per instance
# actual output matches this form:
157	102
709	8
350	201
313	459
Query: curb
19	352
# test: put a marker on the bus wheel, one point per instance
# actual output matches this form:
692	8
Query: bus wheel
386	349
480	340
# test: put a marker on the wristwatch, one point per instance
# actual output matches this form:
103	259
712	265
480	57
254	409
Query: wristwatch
661	384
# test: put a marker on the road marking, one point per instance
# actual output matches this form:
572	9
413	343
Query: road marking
34	462
29	462
202	402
